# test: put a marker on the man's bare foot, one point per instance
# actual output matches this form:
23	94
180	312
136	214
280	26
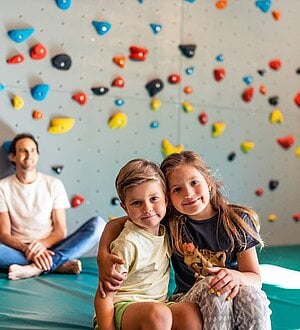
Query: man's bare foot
18	272
70	267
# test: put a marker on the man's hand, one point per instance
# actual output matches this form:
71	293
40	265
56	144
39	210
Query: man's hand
40	255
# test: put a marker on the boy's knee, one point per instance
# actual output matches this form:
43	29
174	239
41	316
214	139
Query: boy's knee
159	317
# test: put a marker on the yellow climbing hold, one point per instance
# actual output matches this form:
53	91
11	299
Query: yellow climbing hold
247	146
155	104
60	125
168	148
187	107
117	120
218	129
276	117
272	217
17	102
297	151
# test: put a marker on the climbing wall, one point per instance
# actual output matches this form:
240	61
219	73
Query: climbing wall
102	82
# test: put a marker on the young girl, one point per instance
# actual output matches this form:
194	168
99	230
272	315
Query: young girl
213	242
143	245
213	248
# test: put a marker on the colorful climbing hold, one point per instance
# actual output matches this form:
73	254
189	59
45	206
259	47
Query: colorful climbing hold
203	118
154	86
276	15
248	80
20	35
188	107
259	192
154	124
37	115
248	94
156	28
2	87
6	146
120	61
137	53
296	217
189	70
168	148
117	120
218	129
276	117
99	91
57	168
155	104
273	184
16	59
286	142
38	52
63	4
118	82
101	27
77	200
247	146
220	58
80	98
297	99
39	92
188	89
262	89
275	64
272	217
188	50
264	6
17	102
61	125
62	62
119	102
221	4
115	201
297	152
174	78
219	74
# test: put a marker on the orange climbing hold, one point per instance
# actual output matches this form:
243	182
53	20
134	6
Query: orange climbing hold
120	61
276	15
38	52
19	58
221	4
37	115
263	90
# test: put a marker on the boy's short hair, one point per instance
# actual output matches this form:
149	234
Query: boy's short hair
136	172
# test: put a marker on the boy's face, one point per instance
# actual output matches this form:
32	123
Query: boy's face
146	205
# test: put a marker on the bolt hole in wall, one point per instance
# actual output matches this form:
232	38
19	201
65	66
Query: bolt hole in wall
101	83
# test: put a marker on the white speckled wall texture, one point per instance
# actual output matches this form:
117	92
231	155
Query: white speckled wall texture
242	39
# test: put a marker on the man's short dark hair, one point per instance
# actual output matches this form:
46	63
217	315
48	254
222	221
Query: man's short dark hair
12	147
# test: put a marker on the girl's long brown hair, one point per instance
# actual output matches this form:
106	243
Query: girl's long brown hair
235	227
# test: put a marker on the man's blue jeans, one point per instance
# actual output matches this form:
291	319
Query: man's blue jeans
72	247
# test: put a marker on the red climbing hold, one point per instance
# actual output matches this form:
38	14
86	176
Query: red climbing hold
37	52
275	64
219	74
80	98
137	53
248	94
296	217
259	192
286	142
118	82
77	201
297	99
203	118
16	59
174	78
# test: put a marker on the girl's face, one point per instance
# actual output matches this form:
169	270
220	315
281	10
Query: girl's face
189	192
146	205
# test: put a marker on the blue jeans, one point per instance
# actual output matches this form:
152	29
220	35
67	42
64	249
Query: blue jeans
72	247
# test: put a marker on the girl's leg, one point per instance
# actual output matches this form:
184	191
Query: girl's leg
147	316
77	244
251	309
216	311
186	315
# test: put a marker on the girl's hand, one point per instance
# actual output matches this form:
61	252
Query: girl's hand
224	280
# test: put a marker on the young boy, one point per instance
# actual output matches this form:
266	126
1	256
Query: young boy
144	248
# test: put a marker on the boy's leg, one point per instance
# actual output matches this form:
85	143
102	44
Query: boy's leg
104	308
77	244
186	315
251	309
147	316
216	311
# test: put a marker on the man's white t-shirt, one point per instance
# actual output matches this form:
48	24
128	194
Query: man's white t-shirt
30	205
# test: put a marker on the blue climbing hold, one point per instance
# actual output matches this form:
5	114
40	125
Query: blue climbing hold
220	58
6	146
264	6
119	102
248	80
63	4
154	124
191	1
20	35
101	27
39	92
2	87
190	70
156	28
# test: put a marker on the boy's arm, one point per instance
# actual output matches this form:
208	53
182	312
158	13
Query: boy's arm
109	278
